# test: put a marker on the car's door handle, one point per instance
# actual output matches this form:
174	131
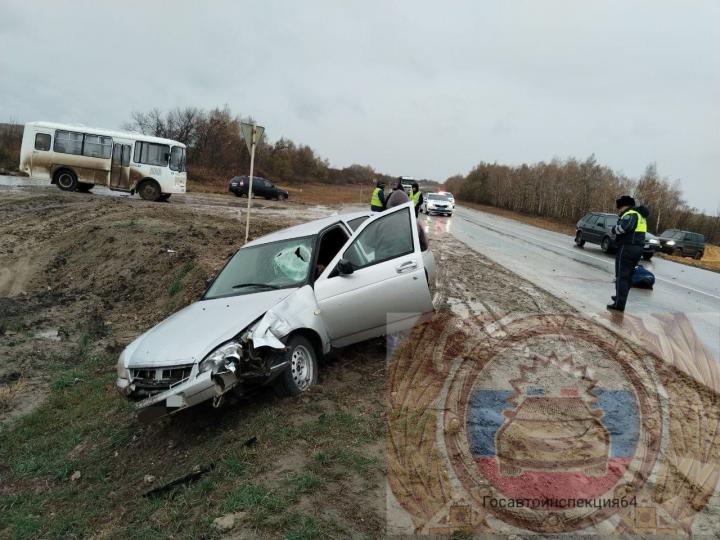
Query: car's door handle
407	266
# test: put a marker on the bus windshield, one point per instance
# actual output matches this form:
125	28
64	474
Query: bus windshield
177	159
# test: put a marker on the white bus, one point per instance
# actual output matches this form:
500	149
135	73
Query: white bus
76	158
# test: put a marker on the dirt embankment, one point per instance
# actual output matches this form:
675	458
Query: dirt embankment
67	259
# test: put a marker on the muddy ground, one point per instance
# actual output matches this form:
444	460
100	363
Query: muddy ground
82	275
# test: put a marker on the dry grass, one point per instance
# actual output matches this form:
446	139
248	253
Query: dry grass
710	260
305	194
8	393
330	194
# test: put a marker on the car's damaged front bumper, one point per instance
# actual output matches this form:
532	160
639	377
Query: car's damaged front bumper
186	394
227	367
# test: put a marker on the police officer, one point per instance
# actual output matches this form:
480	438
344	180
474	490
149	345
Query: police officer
416	197
377	200
630	238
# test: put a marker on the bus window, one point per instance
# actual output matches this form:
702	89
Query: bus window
126	148
42	142
97	146
68	142
177	159
152	153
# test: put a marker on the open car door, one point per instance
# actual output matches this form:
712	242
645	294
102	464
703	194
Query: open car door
376	284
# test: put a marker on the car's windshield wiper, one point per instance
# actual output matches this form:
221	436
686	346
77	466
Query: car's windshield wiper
264	285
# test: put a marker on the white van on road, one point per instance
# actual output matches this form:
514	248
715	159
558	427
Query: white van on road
76	158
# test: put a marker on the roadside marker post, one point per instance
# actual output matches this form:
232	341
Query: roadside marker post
252	133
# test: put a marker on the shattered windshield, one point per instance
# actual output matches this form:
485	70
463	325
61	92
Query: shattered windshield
277	265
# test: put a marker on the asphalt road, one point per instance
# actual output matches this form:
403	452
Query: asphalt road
584	277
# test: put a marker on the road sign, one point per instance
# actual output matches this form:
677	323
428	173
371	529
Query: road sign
252	133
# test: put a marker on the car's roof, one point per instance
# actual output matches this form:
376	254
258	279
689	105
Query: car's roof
600	214
306	229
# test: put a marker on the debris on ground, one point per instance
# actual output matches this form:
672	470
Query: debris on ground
183	480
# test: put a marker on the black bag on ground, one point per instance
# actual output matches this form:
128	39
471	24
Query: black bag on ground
643	278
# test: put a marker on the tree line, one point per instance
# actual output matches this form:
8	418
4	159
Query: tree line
10	141
566	190
216	150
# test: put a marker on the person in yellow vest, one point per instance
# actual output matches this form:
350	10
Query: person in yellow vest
630	239
377	199
416	197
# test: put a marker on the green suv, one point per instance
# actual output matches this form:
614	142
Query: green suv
683	243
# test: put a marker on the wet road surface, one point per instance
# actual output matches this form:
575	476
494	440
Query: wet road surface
584	277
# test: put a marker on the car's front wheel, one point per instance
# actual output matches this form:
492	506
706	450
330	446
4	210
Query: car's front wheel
698	255
579	240
302	371
605	245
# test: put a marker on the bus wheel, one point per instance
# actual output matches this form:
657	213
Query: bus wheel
66	180
84	188
149	190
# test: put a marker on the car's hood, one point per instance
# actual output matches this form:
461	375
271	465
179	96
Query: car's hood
190	334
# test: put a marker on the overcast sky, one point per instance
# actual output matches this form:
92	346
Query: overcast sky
425	89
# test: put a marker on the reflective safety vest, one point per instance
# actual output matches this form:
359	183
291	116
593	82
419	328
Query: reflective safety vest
641	222
415	197
375	200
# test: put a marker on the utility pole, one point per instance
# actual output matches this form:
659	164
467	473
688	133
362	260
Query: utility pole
252	134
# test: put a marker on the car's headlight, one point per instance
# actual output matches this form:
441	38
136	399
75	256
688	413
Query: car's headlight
224	358
653	241
671	242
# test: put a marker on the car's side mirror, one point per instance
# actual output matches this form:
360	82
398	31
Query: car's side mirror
345	267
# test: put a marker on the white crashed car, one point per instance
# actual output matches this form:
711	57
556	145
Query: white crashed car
279	304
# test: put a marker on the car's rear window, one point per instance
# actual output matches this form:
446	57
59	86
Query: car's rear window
355	223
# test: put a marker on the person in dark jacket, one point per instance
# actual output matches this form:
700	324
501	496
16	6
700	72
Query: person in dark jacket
396	198
630	239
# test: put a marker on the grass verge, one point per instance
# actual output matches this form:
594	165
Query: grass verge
76	467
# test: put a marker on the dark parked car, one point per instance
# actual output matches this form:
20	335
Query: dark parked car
596	228
239	185
683	243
